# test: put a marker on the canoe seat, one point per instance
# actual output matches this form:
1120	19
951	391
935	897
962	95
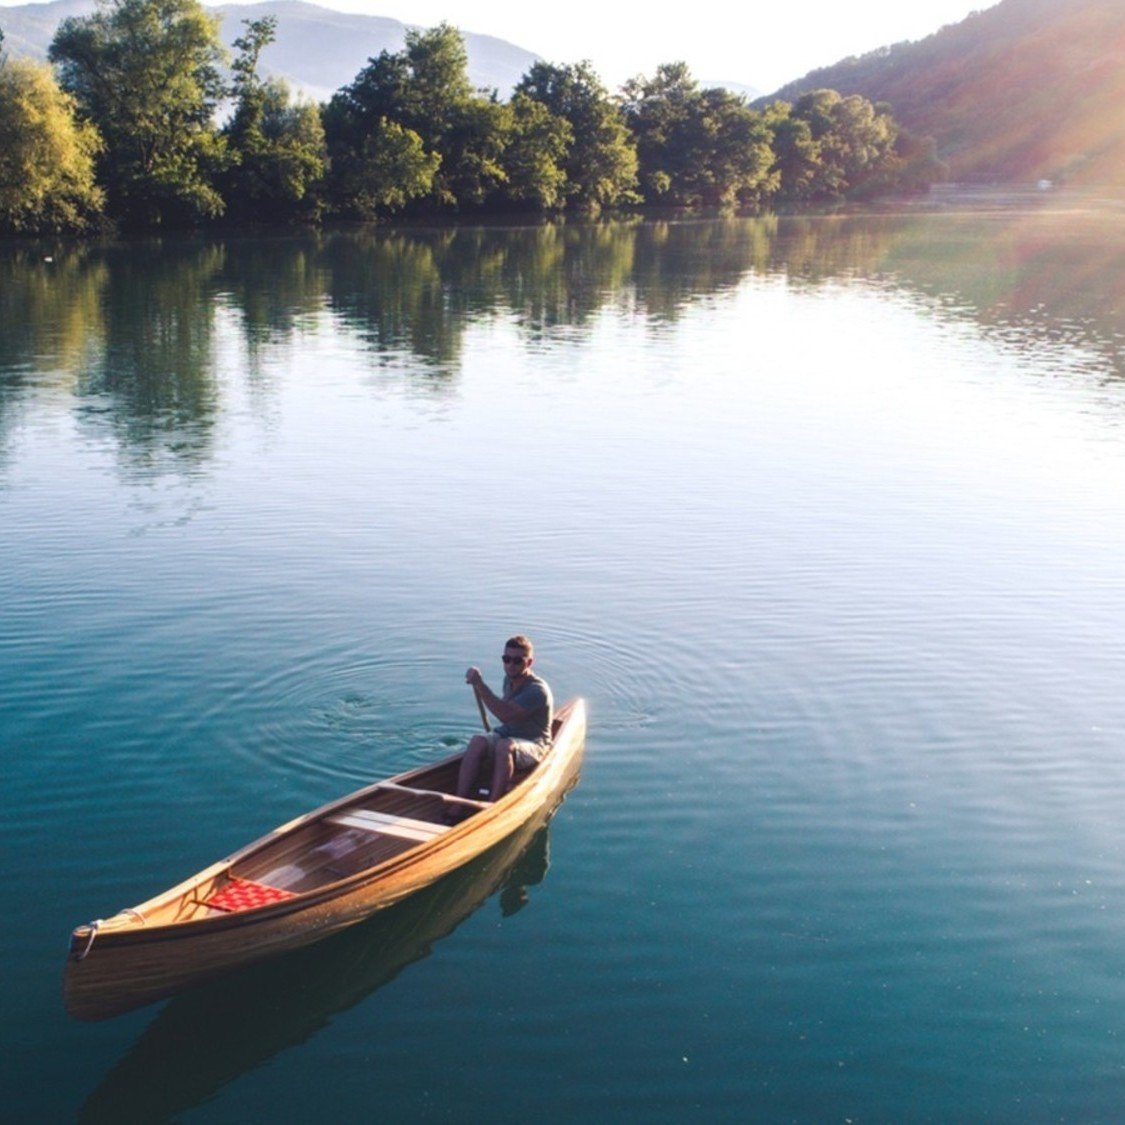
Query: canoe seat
388	824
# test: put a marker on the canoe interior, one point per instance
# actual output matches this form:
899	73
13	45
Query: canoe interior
327	850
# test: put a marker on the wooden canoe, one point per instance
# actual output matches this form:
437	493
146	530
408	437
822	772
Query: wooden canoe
309	878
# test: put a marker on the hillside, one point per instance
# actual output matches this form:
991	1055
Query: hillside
317	50
1027	90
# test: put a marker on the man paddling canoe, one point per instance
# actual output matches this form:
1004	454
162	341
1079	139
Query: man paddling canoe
525	710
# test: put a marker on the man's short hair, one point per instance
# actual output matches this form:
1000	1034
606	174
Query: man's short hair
522	643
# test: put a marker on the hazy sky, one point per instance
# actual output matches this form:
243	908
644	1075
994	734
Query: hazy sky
762	44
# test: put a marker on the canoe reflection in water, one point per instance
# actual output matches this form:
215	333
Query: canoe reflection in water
212	1035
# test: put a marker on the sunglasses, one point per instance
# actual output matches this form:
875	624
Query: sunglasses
513	659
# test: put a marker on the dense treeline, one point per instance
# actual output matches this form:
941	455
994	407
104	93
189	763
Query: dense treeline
126	130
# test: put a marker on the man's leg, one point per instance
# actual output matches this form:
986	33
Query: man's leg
474	755
502	769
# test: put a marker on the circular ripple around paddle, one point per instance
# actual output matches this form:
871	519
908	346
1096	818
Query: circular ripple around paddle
338	715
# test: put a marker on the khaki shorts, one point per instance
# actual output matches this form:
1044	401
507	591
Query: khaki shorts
527	755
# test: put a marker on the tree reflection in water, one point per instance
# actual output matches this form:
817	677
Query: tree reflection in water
141	335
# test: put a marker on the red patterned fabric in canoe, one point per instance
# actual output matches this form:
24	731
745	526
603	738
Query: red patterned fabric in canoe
245	894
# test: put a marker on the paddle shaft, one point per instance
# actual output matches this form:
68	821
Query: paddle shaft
480	707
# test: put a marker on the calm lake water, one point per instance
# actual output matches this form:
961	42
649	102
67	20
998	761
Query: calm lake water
824	516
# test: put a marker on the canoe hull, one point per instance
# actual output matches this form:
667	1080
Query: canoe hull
115	970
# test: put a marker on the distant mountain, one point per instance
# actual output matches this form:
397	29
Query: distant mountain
740	88
317	50
1027	90
29	28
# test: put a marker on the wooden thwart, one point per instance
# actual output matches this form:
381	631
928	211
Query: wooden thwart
389	825
447	798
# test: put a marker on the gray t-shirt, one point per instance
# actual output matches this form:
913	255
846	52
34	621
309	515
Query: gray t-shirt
534	696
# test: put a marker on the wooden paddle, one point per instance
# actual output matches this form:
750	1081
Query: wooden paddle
480	707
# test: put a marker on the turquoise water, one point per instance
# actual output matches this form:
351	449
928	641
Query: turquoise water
824	518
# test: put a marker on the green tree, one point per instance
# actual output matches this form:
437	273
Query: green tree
473	170
735	149
376	163
351	118
378	93
381	169
852	144
830	147
413	116
438	82
277	148
46	155
696	146
533	159
796	153
658	112
259	34
855	138
436	100
601	164
148	74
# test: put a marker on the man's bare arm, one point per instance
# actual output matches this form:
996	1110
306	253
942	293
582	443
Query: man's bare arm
505	711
